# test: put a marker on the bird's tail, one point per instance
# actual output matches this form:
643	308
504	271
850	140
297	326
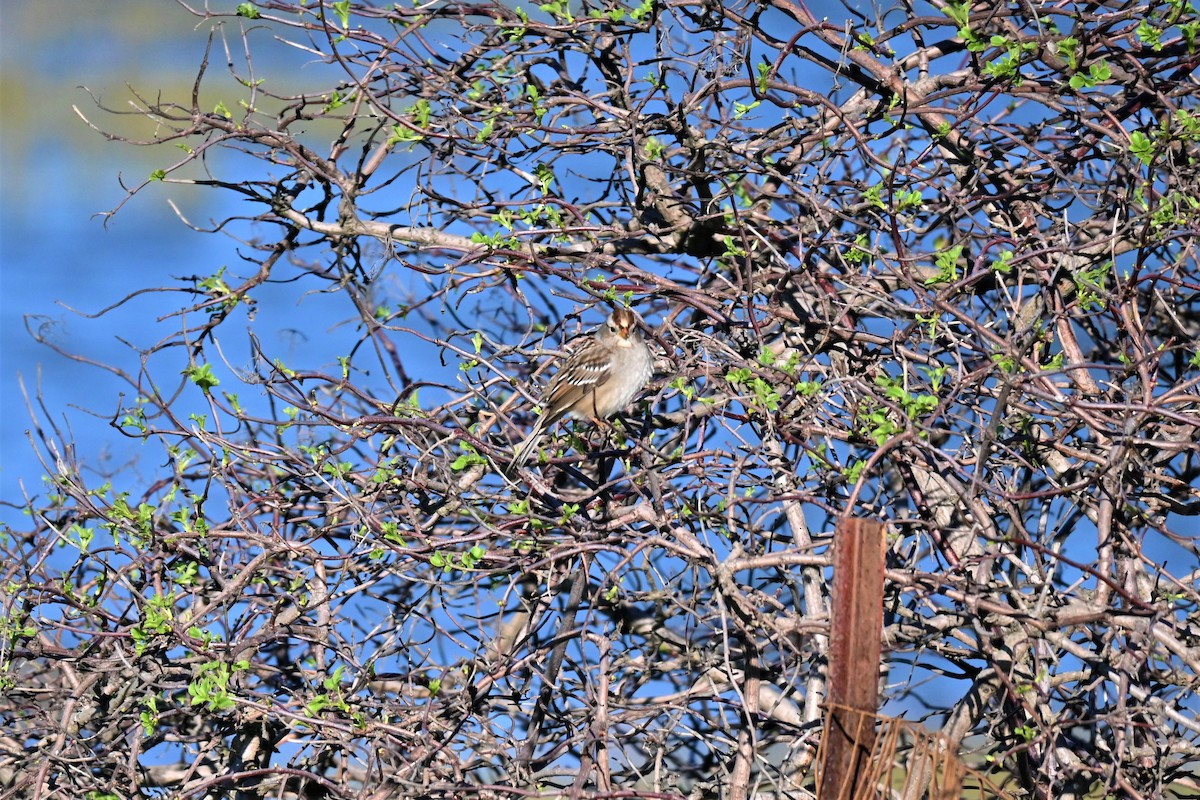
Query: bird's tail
527	446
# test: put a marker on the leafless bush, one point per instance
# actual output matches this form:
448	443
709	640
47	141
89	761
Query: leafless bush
935	265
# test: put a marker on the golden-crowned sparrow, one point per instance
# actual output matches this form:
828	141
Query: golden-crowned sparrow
602	374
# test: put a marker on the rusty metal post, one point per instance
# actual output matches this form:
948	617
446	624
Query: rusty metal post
854	655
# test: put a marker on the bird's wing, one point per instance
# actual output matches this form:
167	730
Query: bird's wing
583	371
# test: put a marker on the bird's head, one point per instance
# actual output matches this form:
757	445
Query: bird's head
622	323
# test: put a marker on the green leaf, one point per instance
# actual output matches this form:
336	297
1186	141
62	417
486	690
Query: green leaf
947	264
742	109
469	458
739	375
764	74
339	470
1142	147
335	680
486	131
643	11
248	11
559	9
1090	287
1003	264
149	717
473	557
545	177
874	196
959	13
202	376
1149	35
342	9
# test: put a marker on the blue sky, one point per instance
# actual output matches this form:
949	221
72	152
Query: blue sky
56	175
56	254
